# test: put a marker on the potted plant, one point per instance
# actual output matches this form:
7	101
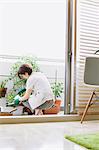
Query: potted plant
57	89
3	88
18	84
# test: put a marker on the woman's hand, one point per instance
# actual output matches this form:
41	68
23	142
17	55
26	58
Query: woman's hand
26	96
17	99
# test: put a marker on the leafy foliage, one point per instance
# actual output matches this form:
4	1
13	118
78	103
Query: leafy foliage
24	60
57	89
19	83
3	84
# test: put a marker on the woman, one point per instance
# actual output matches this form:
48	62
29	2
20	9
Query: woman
38	90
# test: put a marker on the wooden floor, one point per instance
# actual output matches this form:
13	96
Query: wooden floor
43	136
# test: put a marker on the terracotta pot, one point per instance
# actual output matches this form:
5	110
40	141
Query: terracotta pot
3	92
58	102
54	110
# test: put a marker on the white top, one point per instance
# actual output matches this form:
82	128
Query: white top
41	89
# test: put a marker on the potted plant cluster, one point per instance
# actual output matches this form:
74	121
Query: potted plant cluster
19	84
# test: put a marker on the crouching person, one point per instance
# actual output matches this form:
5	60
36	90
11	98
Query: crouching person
38	93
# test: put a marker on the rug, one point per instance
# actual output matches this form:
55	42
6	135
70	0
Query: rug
89	141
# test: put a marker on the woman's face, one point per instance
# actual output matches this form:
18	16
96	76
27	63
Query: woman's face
24	76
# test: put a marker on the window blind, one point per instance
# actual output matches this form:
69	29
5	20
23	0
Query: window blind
87	43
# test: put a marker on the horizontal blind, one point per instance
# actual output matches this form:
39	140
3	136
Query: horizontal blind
87	44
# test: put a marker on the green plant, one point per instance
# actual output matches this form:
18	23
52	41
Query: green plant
19	83
57	88
23	60
3	83
3	88
10	95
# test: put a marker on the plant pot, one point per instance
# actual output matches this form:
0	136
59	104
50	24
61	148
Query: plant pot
58	102
3	92
54	110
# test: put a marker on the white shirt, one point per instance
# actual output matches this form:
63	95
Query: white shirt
41	89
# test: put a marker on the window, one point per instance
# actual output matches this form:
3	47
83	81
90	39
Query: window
33	27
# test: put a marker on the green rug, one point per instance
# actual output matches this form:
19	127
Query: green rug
89	141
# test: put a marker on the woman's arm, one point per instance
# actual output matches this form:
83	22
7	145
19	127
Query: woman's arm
26	95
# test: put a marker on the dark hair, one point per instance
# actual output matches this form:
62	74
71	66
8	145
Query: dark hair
23	69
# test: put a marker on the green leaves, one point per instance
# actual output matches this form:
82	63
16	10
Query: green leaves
3	83
57	89
19	83
24	60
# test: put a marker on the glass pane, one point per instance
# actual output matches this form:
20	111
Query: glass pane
33	30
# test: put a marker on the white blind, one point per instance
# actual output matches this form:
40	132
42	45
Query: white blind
34	27
87	44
